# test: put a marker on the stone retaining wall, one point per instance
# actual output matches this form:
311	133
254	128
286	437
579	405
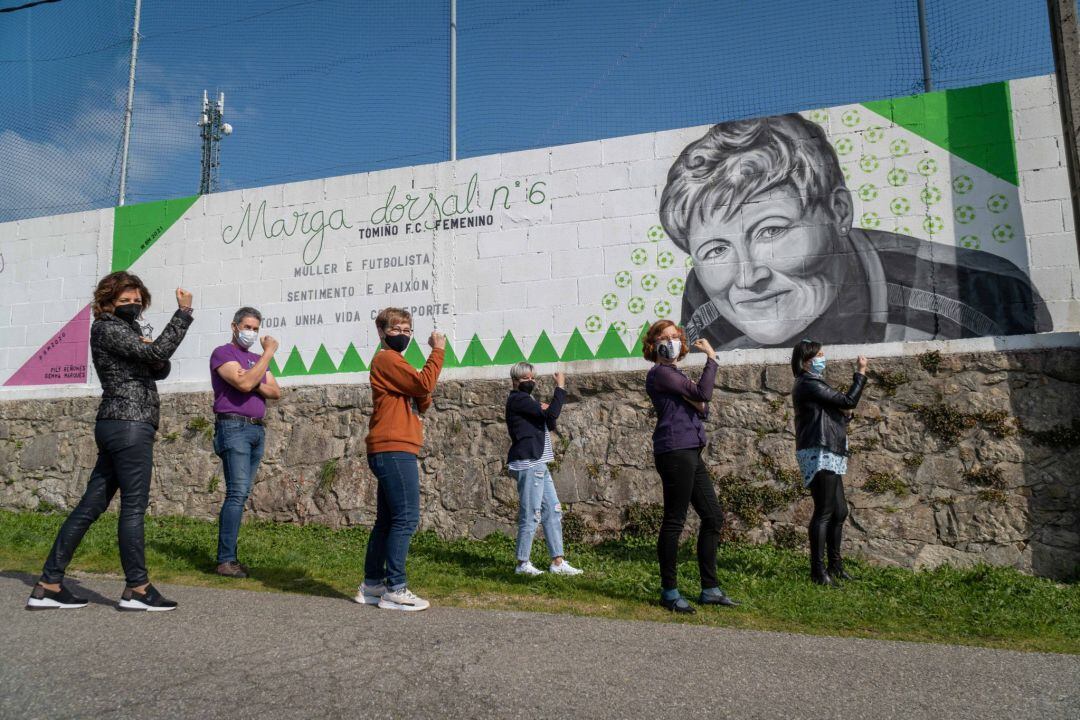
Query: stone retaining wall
956	459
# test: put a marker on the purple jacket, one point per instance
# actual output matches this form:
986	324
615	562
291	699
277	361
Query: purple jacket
678	423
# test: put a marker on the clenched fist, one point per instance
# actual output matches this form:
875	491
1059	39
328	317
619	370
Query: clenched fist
269	344
703	345
437	340
560	379
183	298
863	364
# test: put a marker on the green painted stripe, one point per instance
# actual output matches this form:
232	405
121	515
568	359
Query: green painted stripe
972	123
137	227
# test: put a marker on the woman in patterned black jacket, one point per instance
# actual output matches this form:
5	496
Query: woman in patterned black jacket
127	364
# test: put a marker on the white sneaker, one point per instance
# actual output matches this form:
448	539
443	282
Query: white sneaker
527	568
369	594
564	568
402	599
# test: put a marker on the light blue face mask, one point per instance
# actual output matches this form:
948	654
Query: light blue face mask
818	365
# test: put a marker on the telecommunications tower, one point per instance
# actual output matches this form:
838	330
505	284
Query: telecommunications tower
212	128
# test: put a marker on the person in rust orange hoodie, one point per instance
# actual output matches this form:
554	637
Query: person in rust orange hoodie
400	394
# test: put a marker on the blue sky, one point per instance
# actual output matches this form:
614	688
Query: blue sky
327	87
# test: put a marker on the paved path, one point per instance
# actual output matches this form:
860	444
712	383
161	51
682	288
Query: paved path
236	654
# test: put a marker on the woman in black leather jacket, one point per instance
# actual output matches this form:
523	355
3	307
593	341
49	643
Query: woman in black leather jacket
821	418
127	365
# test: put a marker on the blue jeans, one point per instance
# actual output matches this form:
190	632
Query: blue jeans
538	505
396	517
240	447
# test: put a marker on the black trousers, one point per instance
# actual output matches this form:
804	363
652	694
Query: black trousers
827	522
686	482
125	462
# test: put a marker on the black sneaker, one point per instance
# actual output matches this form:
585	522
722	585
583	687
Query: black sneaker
708	598
44	599
150	600
678	605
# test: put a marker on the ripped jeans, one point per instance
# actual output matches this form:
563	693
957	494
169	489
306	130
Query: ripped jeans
539	505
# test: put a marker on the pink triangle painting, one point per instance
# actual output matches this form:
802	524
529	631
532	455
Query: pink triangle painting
62	360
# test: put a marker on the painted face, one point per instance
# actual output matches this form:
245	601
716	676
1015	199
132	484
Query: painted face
770	269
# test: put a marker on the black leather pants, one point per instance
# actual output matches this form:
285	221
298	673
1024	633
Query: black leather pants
827	522
125	462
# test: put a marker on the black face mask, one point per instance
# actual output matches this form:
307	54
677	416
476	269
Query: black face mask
398	343
527	386
128	313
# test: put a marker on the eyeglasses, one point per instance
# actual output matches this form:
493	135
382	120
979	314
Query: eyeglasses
398	331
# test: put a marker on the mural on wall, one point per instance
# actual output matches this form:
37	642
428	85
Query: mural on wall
763	210
944	215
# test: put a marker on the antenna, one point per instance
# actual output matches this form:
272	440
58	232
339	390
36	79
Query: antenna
212	128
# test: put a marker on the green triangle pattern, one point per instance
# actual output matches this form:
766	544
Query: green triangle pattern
639	346
509	352
351	361
577	348
543	351
611	346
450	358
322	364
414	355
475	354
973	123
137	227
294	365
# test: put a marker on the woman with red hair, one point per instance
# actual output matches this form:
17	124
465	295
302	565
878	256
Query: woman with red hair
678	441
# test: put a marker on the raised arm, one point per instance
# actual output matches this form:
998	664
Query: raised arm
405	380
119	340
670	380
819	391
254	377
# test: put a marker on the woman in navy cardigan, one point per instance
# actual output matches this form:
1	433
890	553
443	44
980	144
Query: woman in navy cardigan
529	422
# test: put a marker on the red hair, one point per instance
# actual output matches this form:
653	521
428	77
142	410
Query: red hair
648	345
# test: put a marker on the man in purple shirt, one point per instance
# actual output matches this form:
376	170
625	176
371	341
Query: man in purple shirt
242	385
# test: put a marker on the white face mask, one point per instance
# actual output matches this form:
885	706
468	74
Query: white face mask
247	338
669	349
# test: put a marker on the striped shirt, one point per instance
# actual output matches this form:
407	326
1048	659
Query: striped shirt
545	457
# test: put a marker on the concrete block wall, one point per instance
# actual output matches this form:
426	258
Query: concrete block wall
555	241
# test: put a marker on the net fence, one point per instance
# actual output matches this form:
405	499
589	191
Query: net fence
317	88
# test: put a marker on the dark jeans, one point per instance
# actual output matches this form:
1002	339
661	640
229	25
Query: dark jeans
686	482
396	518
827	522
240	446
125	461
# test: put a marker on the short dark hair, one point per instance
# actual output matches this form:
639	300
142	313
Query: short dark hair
246	312
737	161
804	350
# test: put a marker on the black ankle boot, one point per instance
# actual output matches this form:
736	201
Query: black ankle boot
836	571
819	576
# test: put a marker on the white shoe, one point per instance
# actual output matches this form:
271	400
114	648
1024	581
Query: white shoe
369	594
564	568
527	568
402	599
